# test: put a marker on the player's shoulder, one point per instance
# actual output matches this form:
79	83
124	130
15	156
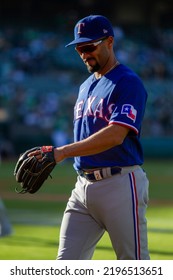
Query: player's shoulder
127	76
123	71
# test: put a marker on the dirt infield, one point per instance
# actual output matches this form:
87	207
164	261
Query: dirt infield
34	197
63	198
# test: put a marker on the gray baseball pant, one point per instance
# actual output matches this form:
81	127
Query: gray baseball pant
117	205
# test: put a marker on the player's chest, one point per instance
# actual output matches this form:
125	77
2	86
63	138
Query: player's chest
95	100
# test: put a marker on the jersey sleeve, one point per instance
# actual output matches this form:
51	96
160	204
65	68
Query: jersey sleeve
130	100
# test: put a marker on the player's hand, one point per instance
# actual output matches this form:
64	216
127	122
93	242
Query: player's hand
58	154
37	154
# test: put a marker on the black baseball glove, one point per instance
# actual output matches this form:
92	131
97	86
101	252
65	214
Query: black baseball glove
30	172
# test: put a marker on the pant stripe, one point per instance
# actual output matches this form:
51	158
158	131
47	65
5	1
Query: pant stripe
135	215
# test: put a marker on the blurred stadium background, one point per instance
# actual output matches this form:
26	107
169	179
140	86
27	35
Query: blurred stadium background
39	77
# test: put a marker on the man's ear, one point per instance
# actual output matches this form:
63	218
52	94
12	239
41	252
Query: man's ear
110	41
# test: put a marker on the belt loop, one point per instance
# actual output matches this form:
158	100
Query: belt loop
106	172
129	169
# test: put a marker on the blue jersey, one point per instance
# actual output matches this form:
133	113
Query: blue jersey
118	97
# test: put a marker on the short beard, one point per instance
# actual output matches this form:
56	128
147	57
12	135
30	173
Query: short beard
93	69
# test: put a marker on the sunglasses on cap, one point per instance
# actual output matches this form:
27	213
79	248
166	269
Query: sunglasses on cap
88	48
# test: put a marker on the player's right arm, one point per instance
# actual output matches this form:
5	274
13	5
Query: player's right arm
101	141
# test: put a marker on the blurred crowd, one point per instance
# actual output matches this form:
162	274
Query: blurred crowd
39	81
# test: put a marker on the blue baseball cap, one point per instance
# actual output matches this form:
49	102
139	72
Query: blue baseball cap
91	28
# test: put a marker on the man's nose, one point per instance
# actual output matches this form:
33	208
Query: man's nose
84	55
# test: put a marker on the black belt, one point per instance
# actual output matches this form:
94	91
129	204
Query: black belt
99	174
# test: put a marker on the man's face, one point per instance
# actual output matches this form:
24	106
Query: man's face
93	54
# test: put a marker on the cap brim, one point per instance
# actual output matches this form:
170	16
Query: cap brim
78	41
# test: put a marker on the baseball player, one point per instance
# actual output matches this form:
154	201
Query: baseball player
111	192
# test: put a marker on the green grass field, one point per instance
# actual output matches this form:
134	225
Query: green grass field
36	218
